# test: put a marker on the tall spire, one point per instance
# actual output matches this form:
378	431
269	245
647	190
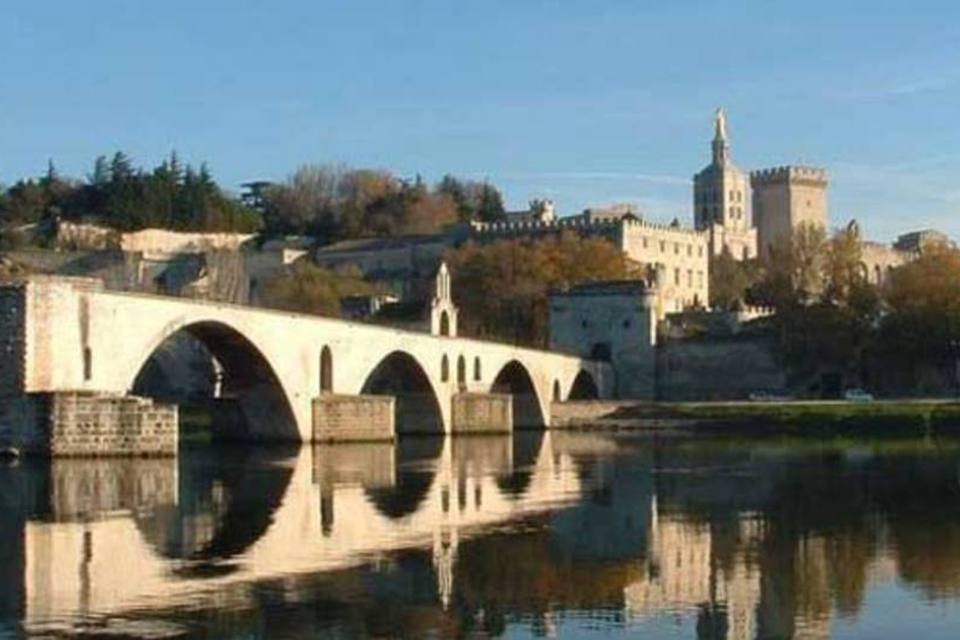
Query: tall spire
721	149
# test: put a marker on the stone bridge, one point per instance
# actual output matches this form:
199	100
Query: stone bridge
72	357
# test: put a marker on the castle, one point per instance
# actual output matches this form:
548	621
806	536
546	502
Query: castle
678	257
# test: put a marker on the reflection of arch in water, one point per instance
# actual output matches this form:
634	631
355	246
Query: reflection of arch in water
415	475
248	380
417	408
526	449
584	387
515	380
241	490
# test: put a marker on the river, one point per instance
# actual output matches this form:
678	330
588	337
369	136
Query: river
554	534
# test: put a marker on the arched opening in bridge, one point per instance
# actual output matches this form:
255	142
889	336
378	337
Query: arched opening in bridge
211	367
556	391
462	373
444	323
584	387
477	375
444	369
326	370
515	380
416	407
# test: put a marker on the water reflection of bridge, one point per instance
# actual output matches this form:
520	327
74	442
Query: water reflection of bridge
125	534
736	543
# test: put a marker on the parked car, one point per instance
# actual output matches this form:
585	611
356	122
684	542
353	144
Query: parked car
857	395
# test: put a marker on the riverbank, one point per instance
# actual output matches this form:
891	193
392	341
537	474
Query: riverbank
909	418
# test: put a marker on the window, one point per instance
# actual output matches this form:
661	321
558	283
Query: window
689	249
326	370
462	372
689	277
476	369
644	243
699	252
444	369
700	279
87	363
444	323
556	391
676	248
663	246
676	277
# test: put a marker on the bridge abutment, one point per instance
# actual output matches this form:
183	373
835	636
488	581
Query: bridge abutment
82	423
482	413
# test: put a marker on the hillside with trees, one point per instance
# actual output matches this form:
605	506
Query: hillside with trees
338	203
121	196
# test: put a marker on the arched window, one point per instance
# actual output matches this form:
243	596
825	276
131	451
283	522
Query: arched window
87	363
476	369
326	370
462	372
444	369
556	391
444	323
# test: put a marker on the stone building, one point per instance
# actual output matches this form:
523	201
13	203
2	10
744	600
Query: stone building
612	321
784	198
721	199
677	256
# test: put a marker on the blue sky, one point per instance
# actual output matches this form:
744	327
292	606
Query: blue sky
584	102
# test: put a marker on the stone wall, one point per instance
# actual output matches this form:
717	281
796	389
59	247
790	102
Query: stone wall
12	339
90	424
576	413
345	418
482	413
718	369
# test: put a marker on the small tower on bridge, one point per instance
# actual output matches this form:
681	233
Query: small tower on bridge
443	312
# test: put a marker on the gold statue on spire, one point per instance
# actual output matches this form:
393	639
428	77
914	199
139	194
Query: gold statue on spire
721	123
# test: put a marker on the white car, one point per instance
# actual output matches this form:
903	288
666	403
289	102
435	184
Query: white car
857	395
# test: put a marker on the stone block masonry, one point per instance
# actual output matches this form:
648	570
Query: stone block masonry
90	424
346	418
482	413
75	423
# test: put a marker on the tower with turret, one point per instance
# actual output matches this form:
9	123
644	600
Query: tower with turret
721	200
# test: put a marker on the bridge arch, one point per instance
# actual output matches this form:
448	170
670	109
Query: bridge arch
417	406
248	381
515	379
584	387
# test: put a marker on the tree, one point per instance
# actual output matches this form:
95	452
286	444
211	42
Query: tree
731	279
306	288
922	322
475	201
503	288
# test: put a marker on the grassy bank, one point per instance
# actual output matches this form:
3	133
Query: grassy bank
910	418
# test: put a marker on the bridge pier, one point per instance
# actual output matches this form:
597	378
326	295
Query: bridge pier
346	418
482	413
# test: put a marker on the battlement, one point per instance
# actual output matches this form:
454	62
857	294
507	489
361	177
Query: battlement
577	223
792	173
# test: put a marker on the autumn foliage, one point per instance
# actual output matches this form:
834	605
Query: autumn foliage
502	289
